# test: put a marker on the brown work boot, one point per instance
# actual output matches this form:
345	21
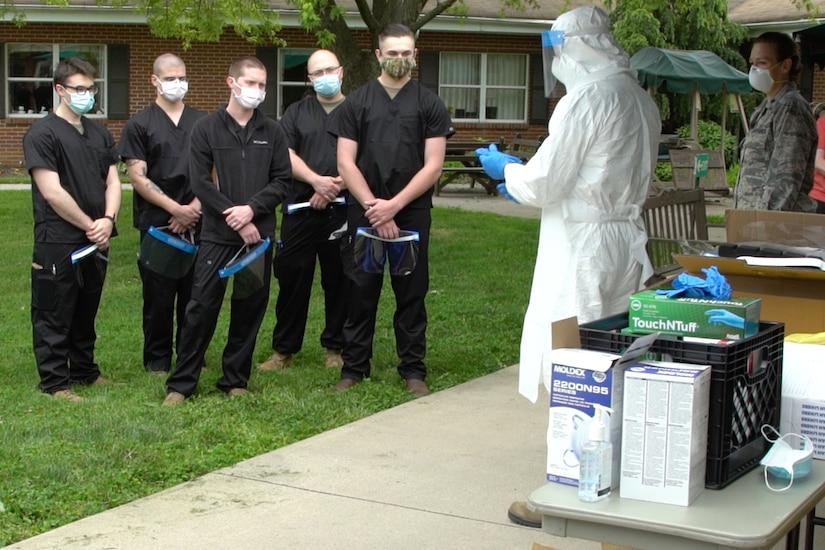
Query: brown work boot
67	395
522	515
173	399
345	384
333	359
238	392
418	387
276	361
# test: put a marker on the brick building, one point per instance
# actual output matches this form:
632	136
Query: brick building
486	68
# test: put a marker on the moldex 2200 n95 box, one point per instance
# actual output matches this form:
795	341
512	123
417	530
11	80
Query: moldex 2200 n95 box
732	319
579	379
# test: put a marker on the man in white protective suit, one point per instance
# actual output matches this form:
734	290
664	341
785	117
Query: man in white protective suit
590	177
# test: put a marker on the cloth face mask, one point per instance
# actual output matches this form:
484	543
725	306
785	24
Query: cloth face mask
398	67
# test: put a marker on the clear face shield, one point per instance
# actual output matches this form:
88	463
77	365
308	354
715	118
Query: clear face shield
249	269
551	46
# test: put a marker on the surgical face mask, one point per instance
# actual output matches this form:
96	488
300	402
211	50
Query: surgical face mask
398	67
784	460
250	97
81	103
327	85
173	91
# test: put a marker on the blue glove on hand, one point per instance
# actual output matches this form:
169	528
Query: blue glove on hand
725	317
494	161
502	190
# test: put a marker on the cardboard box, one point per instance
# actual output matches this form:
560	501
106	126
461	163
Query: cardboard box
650	312
578	379
803	393
665	432
792	295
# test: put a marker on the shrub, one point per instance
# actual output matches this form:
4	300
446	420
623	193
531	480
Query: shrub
709	137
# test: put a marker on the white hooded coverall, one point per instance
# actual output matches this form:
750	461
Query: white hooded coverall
590	177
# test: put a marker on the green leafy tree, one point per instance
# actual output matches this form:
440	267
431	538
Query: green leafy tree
684	25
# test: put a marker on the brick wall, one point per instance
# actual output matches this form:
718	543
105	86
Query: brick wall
206	66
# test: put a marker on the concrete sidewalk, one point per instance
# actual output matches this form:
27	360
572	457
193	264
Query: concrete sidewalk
438	472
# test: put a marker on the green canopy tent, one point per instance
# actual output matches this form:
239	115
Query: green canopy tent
693	72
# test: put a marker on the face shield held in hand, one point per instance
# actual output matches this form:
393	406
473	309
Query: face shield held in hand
248	266
89	265
371	251
166	254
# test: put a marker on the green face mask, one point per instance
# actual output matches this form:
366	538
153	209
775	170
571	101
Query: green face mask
398	67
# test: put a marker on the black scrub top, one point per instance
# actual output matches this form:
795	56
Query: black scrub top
82	163
152	137
391	133
305	125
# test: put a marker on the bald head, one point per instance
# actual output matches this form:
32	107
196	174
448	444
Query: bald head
167	61
321	60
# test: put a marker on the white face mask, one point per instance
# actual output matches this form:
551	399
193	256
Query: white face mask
173	91
760	79
250	97
786	461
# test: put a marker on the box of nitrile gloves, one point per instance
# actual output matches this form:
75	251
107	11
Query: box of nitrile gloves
732	319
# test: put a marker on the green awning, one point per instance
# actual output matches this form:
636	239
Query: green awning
679	71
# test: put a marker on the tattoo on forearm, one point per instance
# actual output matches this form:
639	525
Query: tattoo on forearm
152	187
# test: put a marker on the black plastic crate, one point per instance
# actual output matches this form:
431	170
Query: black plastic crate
745	391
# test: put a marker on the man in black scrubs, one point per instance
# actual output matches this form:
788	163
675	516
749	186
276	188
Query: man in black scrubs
76	198
392	135
239	169
153	145
311	231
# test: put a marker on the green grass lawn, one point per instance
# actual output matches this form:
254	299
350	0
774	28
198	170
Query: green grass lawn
62	461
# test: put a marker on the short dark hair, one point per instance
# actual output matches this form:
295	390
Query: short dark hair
70	67
240	65
785	48
395	30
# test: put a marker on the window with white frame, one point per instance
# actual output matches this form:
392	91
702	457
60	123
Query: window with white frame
29	72
292	76
484	87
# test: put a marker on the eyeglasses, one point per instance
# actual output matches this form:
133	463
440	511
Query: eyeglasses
322	72
81	89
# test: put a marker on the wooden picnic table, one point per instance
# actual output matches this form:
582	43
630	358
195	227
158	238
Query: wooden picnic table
463	152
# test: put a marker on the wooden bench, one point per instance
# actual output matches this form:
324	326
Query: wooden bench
682	162
461	163
676	222
524	148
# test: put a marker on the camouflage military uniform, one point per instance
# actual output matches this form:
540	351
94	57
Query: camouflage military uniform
777	157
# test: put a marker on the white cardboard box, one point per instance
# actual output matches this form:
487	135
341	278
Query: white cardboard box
665	432
803	393
580	378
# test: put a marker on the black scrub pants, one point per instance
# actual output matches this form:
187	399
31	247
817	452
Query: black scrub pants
305	236
410	318
65	300
163	299
201	319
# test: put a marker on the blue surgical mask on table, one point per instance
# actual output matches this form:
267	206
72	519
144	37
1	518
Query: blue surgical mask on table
790	457
327	85
81	103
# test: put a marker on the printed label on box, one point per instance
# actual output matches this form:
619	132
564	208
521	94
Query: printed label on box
732	319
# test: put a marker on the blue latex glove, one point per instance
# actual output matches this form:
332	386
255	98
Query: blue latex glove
502	190
494	161
725	317
686	285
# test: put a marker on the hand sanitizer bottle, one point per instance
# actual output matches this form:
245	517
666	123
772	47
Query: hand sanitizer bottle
596	463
